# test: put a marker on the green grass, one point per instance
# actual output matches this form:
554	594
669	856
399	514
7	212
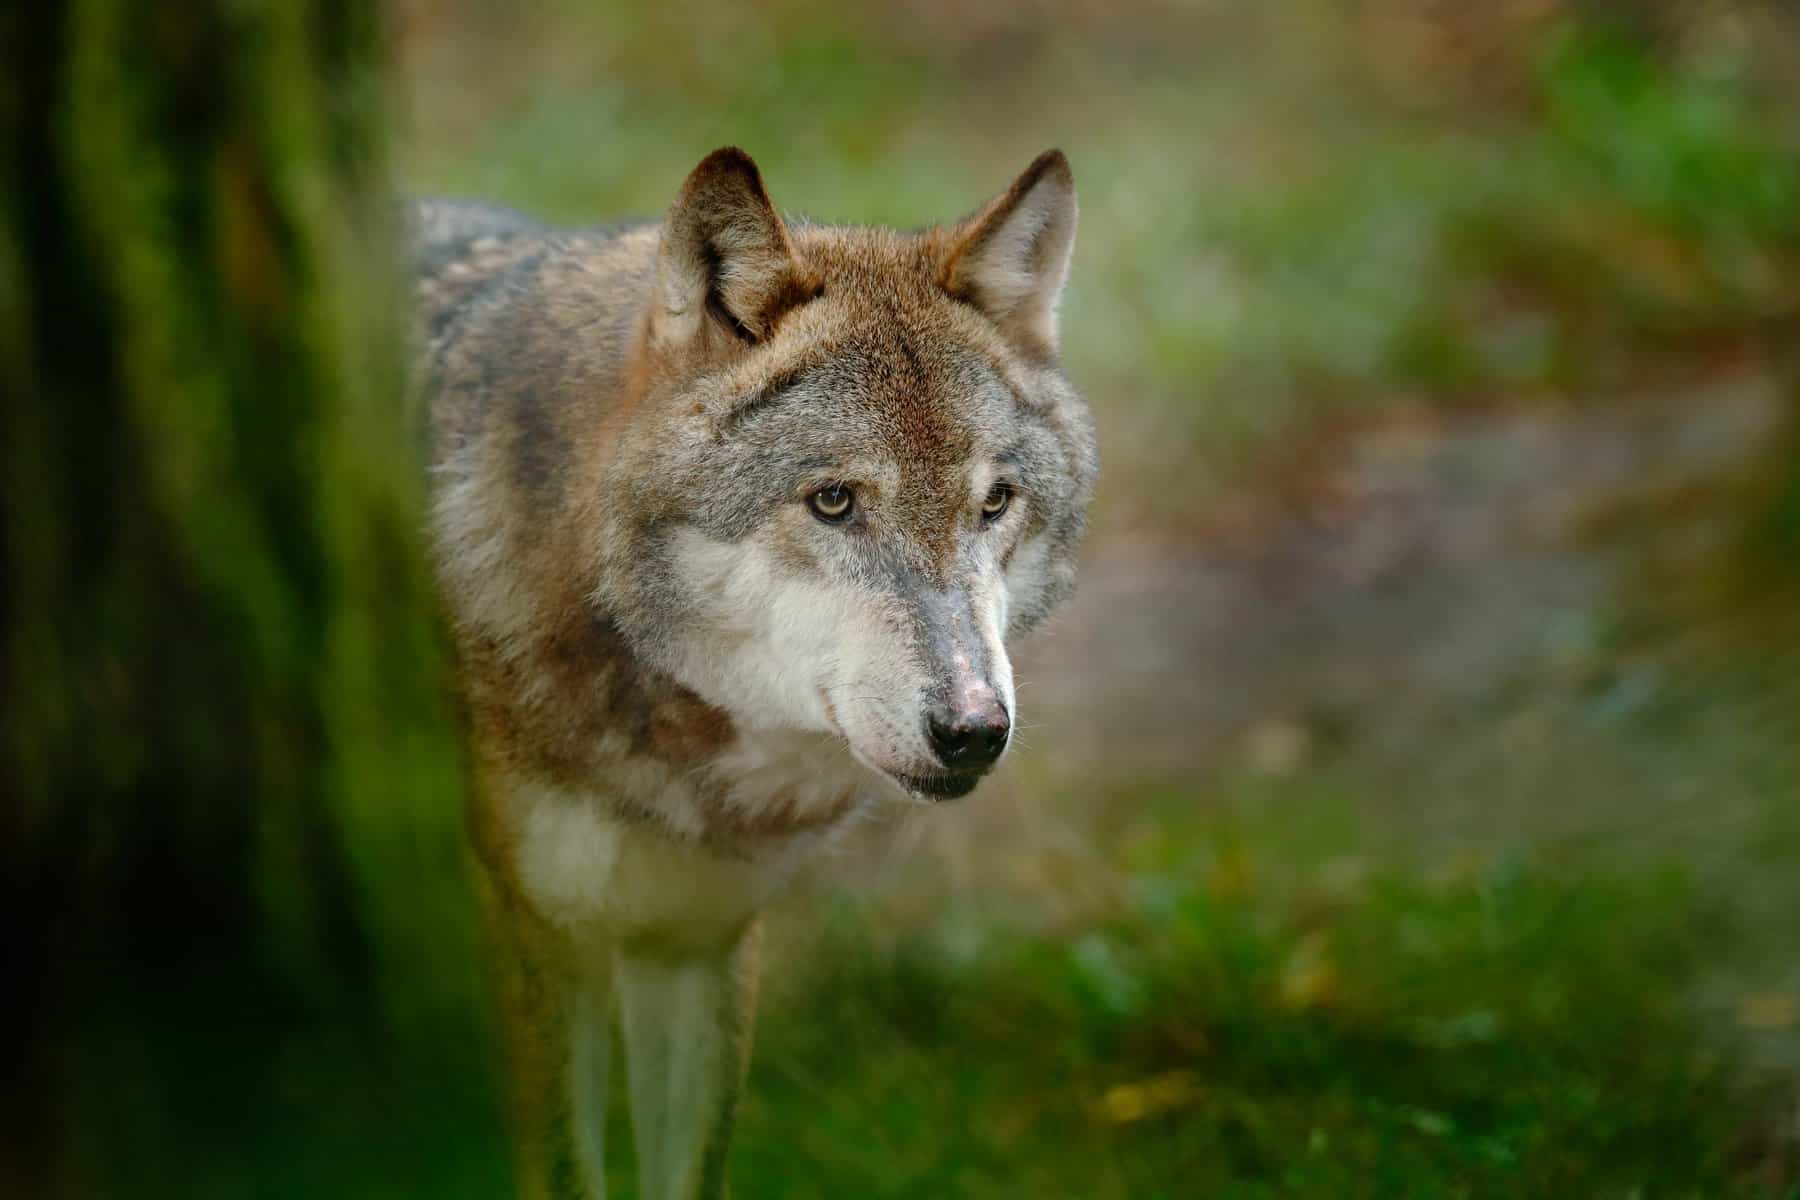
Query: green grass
1257	1002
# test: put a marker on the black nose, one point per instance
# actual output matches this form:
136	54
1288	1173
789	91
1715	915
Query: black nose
969	740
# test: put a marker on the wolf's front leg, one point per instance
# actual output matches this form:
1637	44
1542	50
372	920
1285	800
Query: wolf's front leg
590	1060
687	1023
557	996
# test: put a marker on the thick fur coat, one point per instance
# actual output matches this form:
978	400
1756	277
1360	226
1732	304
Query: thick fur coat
734	517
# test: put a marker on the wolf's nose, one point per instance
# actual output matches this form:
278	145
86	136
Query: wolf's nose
969	740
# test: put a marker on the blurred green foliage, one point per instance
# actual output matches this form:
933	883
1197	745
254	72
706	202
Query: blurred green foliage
234	919
1260	1008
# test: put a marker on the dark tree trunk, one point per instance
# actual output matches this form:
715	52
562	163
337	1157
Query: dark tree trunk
228	838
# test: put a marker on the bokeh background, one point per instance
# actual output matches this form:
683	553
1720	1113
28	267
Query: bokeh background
1409	802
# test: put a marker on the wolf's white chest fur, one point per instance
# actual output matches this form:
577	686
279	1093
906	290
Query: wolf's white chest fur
587	870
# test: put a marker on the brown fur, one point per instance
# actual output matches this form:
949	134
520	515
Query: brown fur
592	400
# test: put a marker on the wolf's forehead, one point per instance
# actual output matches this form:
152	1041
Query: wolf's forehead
917	398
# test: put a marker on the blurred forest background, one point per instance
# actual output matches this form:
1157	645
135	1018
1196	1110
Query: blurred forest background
1408	805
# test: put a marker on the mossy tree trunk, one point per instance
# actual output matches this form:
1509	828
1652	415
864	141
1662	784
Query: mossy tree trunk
231	785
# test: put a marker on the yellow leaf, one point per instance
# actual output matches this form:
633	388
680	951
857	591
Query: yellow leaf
1130	1102
1308	978
1769	1010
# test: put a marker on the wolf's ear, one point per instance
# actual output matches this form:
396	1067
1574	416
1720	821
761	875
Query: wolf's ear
1011	259
726	269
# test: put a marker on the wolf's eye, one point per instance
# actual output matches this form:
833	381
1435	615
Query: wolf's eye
999	497
833	503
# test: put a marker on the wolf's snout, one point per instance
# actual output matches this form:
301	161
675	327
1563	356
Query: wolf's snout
971	738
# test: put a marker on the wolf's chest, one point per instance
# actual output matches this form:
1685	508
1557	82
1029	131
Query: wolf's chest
740	830
585	870
775	784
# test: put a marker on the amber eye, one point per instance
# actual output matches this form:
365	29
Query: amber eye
999	497
833	503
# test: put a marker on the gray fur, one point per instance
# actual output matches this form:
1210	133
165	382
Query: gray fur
679	677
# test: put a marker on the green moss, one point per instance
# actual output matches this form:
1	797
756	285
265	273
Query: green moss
234	862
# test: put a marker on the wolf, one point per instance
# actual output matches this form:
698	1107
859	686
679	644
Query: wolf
734	517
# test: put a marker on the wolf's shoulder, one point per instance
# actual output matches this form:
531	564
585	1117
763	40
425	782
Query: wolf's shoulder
476	264
507	310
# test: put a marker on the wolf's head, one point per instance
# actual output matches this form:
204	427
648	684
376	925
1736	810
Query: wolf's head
857	468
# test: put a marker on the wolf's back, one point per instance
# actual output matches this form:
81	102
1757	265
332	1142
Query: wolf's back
442	231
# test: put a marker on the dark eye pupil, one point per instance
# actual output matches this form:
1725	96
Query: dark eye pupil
998	497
